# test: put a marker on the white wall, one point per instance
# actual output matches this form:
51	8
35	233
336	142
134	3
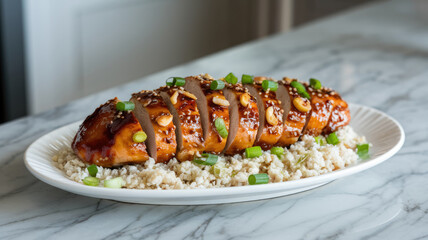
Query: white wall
79	47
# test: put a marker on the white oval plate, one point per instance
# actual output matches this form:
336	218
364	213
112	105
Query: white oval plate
385	133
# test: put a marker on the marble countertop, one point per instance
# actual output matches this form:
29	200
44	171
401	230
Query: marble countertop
376	55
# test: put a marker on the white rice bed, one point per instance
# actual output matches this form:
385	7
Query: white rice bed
303	159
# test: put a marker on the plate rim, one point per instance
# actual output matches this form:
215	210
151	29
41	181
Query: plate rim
72	186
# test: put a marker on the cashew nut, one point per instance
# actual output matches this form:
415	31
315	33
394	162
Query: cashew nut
244	99
270	116
164	120
220	101
302	104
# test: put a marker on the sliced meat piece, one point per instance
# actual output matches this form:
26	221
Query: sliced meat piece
321	109
156	121
209	110
270	115
105	137
340	116
244	119
294	119
187	120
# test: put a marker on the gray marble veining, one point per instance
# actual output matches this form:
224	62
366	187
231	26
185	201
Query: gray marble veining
376	55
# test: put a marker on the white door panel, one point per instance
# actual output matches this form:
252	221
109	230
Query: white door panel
78	47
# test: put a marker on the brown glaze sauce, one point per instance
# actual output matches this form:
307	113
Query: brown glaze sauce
97	136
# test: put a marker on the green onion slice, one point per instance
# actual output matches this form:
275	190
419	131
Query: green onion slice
303	158
278	151
125	106
206	159
221	127
92	170
216	170
91	181
363	151
139	137
247	79
332	139
114	183
300	87
170	82
260	178
230	78
305	95
269	85
253	152
319	140
217	85
301	90
178	81
315	83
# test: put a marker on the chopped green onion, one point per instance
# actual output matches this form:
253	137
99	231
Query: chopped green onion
216	170
278	151
139	137
91	181
230	78
332	139
300	87
315	83
269	85
247	79
170	83
303	158
125	106
301	90
221	127
261	178
114	183
363	151
305	95
319	140
178	81
253	152
92	170
206	159
217	85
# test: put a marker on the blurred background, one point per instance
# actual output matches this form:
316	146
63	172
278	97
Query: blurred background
55	51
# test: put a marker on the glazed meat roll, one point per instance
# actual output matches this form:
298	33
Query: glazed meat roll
200	114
